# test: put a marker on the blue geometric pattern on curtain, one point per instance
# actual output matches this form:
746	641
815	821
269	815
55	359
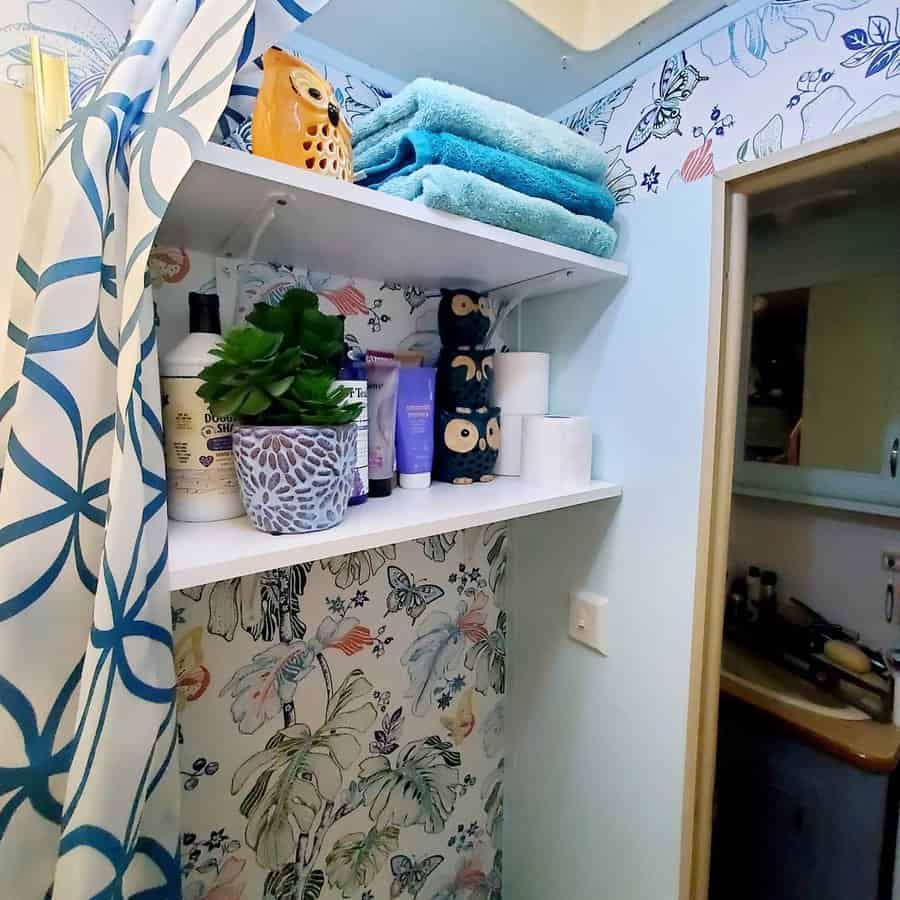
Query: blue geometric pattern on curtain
89	788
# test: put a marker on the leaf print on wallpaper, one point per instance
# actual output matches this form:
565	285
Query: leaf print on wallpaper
768	140
438	546
620	177
419	790
267	684
358	568
299	776
595	118
746	42
361	97
492	797
487	658
357	858
438	649
385	740
874	47
267	605
662	118
492	731
308	833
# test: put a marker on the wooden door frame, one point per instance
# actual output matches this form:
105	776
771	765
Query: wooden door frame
732	190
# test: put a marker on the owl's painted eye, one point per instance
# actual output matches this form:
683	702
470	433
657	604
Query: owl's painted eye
315	93
465	362
462	305
493	433
484	304
460	435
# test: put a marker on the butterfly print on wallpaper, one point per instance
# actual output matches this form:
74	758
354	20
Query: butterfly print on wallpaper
662	117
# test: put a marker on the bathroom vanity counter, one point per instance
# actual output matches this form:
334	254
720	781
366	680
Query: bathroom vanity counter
866	744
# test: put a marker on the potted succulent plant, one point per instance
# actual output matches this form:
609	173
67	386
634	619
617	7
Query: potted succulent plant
295	447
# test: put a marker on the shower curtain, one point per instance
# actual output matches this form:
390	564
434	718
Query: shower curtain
89	789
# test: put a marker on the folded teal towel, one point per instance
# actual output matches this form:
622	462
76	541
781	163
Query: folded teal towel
467	194
418	149
436	106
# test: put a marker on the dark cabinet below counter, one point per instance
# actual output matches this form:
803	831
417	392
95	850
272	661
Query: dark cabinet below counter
793	822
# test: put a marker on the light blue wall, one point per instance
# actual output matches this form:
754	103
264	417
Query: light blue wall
751	80
597	745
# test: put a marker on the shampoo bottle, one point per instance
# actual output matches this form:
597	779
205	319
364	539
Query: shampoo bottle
202	482
352	376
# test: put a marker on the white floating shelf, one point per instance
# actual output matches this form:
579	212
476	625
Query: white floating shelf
201	553
333	226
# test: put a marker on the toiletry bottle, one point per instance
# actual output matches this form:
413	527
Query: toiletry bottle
382	372
352	376
768	600
754	588
202	483
415	426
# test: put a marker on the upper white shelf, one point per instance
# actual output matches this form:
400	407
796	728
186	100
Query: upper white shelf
201	553
333	226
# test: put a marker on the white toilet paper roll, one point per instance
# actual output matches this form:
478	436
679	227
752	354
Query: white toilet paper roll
556	451
509	461
521	383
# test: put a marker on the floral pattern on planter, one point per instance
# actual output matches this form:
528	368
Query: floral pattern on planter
295	478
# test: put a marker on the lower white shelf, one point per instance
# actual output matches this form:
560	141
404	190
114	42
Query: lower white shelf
201	553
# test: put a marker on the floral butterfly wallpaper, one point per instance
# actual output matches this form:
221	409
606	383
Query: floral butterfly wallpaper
785	72
341	726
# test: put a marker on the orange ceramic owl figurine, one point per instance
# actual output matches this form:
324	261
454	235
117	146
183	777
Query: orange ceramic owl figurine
297	119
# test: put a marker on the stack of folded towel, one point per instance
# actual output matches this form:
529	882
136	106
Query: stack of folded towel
467	154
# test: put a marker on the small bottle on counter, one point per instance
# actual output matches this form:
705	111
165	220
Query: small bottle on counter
754	591
200	475
768	600
352	376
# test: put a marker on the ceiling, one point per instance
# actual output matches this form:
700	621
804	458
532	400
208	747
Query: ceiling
490	46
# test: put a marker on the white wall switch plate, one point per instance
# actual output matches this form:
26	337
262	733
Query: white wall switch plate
587	620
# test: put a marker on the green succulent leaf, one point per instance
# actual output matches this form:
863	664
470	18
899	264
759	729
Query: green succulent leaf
281	367
229	403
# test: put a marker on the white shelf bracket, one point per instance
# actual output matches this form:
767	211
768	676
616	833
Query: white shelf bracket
509	297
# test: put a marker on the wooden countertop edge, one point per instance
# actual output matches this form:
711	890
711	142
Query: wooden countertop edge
868	745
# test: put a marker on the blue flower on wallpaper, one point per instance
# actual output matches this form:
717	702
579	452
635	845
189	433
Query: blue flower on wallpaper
63	26
650	180
874	47
746	42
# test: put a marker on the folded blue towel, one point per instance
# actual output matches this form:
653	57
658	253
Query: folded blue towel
467	194
436	106
418	149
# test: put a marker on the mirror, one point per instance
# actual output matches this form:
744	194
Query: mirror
822	389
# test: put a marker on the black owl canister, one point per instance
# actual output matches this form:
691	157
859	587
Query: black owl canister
467	445
464	318
464	378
